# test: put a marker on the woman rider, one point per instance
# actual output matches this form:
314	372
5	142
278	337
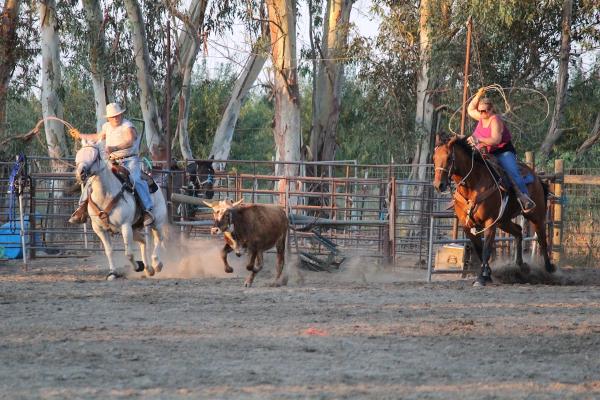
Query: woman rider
492	135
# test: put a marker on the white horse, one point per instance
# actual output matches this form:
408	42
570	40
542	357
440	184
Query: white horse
112	209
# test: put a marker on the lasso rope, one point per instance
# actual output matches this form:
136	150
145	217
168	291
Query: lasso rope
71	130
508	109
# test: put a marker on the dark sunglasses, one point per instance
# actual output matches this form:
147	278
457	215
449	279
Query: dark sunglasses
482	111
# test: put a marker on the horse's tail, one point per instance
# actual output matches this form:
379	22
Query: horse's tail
546	188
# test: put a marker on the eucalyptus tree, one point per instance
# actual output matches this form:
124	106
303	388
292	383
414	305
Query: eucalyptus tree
562	80
188	45
19	45
258	29
286	129
8	58
51	84
252	67
327	89
153	124
97	57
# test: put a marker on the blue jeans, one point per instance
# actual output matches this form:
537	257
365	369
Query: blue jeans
508	160
141	187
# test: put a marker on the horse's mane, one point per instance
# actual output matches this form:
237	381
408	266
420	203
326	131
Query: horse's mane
464	145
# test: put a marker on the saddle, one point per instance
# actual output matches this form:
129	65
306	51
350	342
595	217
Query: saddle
504	180
123	175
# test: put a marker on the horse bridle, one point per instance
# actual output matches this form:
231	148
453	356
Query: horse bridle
448	170
96	158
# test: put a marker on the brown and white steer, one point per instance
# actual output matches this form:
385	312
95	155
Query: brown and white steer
255	227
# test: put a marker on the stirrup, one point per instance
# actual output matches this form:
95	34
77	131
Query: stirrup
527	205
148	218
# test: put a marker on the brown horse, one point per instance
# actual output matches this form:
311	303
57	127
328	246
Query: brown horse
478	202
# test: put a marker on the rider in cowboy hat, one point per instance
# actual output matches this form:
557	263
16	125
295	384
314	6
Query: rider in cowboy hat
122	145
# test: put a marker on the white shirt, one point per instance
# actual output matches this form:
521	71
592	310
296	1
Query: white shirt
115	137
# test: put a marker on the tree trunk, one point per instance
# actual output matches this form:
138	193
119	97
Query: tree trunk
8	59
188	45
424	106
554	131
184	112
592	139
222	141
155	138
287	134
51	84
97	57
188	42
329	80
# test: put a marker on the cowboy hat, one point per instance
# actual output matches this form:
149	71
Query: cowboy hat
113	109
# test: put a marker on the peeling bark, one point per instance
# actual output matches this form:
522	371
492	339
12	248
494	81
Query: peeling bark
8	59
155	138
287	134
329	80
188	45
554	131
51	84
97	57
424	105
222	141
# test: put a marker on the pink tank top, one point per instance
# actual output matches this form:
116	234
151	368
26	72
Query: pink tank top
483	133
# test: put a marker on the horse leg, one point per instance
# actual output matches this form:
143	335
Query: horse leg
485	275
105	239
540	231
157	237
476	242
127	233
224	251
250	267
140	238
517	232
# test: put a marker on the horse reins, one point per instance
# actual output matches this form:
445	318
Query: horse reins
100	213
478	198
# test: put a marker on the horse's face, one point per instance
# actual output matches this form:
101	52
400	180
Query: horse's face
443	160
201	176
87	162
222	214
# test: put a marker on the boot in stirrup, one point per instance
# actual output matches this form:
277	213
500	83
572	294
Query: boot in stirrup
148	218
527	205
80	215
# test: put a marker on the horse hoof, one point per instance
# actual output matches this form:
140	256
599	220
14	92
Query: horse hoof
550	268
139	266
247	283
158	267
228	269
479	282
112	275
149	271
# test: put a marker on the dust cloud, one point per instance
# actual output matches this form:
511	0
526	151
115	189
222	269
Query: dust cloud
196	258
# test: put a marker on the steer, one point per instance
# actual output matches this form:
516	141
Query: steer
254	227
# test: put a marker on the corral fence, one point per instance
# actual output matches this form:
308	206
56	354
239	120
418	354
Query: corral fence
377	211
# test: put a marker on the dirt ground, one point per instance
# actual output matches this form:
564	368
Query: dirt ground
364	332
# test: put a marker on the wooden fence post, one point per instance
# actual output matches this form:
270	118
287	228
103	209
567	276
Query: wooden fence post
557	222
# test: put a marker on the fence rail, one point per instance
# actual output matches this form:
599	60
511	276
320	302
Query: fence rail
374	210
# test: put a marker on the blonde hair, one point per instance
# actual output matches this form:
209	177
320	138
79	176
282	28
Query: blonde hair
489	103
